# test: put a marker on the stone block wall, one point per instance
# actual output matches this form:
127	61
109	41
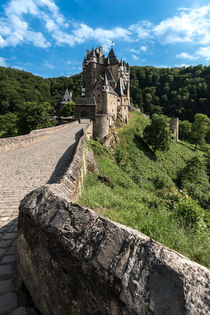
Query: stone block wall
76	262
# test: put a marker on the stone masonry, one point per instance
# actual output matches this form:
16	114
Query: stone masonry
89	265
23	170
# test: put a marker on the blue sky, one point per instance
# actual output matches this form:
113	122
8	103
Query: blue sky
49	37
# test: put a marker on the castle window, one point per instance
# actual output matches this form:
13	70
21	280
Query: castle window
98	94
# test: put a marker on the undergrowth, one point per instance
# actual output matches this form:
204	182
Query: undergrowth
143	191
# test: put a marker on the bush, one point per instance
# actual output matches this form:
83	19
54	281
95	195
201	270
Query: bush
186	210
194	178
190	213
68	109
8	125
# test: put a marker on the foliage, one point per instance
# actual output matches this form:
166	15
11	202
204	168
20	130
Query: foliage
186	210
185	128
8	125
199	129
138	196
68	109
175	92
18	87
158	133
35	116
195	180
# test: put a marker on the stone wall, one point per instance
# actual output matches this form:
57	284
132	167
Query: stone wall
74	261
12	143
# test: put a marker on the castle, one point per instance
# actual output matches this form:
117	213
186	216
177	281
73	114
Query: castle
105	92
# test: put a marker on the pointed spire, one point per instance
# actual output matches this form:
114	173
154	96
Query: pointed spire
111	53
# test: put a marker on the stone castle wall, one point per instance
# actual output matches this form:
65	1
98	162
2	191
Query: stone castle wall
12	143
75	261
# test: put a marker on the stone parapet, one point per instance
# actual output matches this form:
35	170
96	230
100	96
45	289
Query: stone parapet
75	261
12	143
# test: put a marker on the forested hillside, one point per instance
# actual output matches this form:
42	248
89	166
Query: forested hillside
24	97
180	92
17	87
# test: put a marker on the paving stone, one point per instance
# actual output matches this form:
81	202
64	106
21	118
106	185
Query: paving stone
7	302
19	311
21	171
5	285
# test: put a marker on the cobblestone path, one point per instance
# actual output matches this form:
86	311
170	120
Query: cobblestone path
21	171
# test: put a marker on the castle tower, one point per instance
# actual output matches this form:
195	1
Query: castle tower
174	126
106	80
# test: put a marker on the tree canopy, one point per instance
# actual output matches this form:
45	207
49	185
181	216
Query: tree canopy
175	92
158	133
199	129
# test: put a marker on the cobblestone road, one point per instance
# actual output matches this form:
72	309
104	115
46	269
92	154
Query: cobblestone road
21	171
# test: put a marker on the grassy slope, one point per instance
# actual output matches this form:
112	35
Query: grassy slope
139	181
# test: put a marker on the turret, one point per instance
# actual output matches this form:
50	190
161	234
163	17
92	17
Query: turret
93	57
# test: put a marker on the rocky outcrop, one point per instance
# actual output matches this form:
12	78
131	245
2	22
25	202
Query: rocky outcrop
74	261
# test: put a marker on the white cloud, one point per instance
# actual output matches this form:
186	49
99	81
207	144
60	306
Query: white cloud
204	52
185	55
138	51
182	65
190	26
48	65
143	48
135	51
3	62
135	57
142	30
13	26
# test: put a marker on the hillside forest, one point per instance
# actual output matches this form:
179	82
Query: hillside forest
179	92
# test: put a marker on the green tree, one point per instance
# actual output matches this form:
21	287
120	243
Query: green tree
194	178
8	125
199	129
158	133
68	109
185	128
35	116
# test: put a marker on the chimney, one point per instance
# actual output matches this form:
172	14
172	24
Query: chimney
100	51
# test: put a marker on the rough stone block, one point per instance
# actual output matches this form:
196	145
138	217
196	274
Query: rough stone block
74	261
7	302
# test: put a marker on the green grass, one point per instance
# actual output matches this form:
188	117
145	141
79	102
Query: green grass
139	181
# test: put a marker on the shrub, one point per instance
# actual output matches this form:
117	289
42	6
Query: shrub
194	178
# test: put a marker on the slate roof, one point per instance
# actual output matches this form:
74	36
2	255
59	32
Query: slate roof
120	87
65	98
85	101
109	74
